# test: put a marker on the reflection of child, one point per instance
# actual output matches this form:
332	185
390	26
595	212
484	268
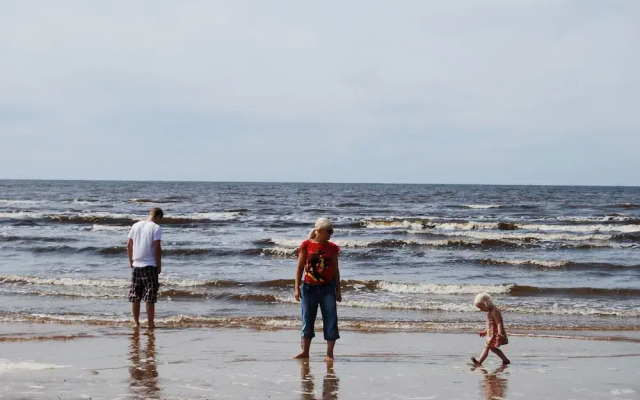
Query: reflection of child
495	333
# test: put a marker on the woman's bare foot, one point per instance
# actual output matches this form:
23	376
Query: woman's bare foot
475	362
302	354
506	362
328	359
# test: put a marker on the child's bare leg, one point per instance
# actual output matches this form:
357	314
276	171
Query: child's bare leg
306	345
499	353
330	345
483	357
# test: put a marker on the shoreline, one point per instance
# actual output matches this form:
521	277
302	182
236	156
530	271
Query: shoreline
100	362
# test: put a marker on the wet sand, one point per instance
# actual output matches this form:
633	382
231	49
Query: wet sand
49	361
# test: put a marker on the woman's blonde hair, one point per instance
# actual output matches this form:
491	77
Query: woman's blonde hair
483	299
321	223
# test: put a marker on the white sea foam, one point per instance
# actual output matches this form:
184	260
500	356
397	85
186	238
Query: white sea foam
11	366
581	228
420	305
482	206
213	216
287	243
395	224
424	288
515	235
12	202
21	215
541	263
344	243
280	252
110	228
466	226
34	280
573	310
436	227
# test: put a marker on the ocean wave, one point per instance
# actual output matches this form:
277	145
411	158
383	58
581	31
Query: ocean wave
528	229
19	202
20	215
346	324
111	219
528	236
211	216
559	264
580	228
110	228
169	283
423	288
280	252
573	311
524	290
630	206
35	239
34	280
482	206
535	263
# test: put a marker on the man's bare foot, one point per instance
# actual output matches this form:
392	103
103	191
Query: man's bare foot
328	359
506	362
152	326
475	362
136	325
301	355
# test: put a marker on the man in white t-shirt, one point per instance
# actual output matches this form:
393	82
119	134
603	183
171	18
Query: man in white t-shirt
145	258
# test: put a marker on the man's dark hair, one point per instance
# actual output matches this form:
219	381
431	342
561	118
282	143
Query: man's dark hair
156	212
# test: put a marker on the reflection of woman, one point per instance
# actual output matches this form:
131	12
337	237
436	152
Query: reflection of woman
318	263
143	370
330	383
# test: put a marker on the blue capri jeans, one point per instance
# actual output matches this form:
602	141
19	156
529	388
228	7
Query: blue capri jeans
324	296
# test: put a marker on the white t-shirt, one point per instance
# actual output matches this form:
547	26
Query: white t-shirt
144	233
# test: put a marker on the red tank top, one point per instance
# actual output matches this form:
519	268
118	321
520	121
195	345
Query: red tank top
319	268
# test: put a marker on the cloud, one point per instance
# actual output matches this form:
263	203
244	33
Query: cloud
460	92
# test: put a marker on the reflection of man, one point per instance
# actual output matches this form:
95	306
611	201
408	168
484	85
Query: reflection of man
145	258
330	383
143	370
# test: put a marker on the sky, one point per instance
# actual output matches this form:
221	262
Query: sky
460	92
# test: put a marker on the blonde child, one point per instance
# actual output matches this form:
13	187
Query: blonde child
495	332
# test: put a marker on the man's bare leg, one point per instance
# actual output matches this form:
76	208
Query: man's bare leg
135	310
306	345
151	313
330	345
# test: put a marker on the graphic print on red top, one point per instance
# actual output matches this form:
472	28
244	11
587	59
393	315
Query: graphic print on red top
319	269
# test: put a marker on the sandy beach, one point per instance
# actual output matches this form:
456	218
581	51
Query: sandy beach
51	361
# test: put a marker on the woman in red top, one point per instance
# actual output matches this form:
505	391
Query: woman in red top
318	263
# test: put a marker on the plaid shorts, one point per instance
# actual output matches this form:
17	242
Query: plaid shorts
144	284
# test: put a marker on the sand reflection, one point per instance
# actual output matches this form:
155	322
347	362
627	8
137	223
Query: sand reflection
494	383
142	366
330	383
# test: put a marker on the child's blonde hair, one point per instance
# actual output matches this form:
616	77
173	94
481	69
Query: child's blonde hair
483	299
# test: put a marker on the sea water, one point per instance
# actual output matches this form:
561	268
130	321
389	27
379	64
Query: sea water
413	257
